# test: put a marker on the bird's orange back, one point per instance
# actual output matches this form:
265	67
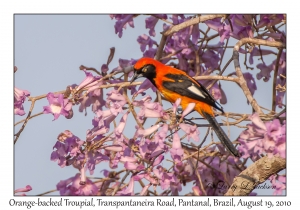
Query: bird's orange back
161	69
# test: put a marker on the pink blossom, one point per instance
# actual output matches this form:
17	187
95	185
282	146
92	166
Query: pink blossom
102	120
259	138
158	160
176	151
151	22
145	86
165	179
197	191
129	190
128	159
145	189
176	104
279	182
259	52
188	109
257	121
152	110
87	80
133	166
94	158
148	131
104	68
264	71
145	41
250	82
71	146
215	91
57	105
27	188
122	21
119	130
19	98
74	186
191	130
124	63
115	101
114	148
140	103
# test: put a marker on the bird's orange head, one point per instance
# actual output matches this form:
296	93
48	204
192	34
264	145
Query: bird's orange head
146	67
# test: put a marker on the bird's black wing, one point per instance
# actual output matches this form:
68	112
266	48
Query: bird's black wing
186	86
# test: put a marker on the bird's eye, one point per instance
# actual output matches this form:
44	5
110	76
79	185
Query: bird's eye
144	69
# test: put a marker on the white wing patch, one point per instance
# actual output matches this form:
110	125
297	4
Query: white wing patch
196	91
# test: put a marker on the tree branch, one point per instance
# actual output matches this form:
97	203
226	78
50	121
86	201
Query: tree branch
275	79
239	73
190	22
255	174
217	77
258	42
243	84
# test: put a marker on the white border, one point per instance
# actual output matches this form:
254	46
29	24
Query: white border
8	8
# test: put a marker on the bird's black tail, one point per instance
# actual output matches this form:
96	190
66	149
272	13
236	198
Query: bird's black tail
221	134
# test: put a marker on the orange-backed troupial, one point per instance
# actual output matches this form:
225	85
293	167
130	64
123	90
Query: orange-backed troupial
174	83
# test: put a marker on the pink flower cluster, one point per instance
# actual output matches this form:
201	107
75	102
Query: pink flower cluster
263	138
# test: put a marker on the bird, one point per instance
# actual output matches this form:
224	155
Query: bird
174	83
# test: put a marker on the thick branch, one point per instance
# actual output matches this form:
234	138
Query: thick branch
256	174
217	77
189	23
258	42
160	48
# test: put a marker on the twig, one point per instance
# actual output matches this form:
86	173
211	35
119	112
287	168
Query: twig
44	96
170	55
243	83
50	191
35	115
162	19
82	67
261	55
197	56
25	122
100	180
245	61
198	175
118	186
197	64
160	48
238	121
133	111
159	99
224	68
280	113
275	79
200	145
219	67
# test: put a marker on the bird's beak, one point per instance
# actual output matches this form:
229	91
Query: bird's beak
135	76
